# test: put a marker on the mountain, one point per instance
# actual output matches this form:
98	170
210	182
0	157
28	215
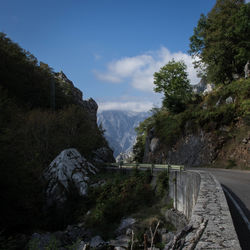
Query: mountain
120	127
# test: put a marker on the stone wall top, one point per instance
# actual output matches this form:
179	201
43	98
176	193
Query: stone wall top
211	218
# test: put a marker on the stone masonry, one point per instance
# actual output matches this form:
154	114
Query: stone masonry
211	219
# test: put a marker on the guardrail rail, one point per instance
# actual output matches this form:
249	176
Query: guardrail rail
146	165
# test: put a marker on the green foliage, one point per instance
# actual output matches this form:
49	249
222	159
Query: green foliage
162	185
7	242
142	131
172	81
167	126
220	43
231	164
209	113
117	198
25	80
32	135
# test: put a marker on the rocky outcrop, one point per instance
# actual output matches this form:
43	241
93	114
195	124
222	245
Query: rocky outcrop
69	89
203	87
190	150
68	170
125	157
102	155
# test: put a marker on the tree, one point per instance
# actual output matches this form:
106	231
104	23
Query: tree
221	40
172	81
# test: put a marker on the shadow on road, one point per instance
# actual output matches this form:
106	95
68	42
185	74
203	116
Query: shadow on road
239	224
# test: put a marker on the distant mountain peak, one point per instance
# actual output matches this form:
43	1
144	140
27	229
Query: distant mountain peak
119	126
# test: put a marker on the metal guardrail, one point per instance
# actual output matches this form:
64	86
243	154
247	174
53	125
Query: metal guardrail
146	165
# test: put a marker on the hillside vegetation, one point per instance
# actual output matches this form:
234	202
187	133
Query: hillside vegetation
39	117
211	114
220	47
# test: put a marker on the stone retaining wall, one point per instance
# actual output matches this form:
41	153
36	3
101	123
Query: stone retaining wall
200	197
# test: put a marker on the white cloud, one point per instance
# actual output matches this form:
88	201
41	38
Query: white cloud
131	106
139	70
97	57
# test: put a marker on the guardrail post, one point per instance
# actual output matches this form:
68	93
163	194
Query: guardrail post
175	187
152	168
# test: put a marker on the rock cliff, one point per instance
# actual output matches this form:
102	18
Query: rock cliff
214	130
193	149
69	89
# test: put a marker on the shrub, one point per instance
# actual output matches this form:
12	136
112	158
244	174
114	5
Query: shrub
162	185
117	199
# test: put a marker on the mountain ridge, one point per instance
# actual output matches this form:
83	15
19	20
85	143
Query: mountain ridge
120	127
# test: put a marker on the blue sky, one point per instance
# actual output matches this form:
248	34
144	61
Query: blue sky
108	48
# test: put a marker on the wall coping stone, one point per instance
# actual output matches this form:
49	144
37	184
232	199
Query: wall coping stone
211	210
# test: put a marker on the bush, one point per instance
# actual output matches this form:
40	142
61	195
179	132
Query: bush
162	185
117	198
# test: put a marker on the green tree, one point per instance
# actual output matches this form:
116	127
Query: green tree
221	40
172	81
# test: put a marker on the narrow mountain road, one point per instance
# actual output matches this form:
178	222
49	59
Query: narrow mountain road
236	186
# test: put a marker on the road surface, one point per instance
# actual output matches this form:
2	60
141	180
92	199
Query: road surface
236	186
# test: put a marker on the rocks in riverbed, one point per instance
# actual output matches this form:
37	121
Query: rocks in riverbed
97	242
69	170
124	225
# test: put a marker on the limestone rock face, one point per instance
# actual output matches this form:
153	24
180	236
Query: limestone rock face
103	155
203	87
229	100
190	150
68	169
69	87
154	144
89	105
125	157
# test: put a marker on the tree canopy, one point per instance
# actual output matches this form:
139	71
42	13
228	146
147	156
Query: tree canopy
221	40
172	81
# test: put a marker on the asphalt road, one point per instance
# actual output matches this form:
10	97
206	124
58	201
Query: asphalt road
236	186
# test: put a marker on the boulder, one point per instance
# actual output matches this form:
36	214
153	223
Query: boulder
121	241
69	169
103	155
203	87
124	225
229	100
97	242
154	144
167	237
209	88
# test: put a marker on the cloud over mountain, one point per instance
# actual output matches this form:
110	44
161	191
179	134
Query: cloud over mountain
138	70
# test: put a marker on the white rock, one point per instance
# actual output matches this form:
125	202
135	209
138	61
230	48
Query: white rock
97	241
125	223
229	100
154	144
69	167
